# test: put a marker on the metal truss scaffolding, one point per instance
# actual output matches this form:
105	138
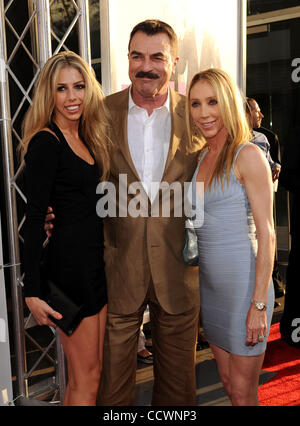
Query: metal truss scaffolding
24	48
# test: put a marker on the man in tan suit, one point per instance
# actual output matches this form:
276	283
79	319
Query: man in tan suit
143	254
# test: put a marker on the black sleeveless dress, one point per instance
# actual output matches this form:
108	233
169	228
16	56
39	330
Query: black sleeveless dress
55	176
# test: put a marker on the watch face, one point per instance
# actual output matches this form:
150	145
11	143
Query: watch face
260	305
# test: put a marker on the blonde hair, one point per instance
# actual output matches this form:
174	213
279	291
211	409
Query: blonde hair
94	120
231	106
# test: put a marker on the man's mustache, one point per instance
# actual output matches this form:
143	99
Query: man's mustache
142	74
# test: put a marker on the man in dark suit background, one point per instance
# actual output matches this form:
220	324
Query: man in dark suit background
273	140
274	143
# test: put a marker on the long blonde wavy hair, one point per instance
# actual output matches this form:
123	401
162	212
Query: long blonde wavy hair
231	106
94	121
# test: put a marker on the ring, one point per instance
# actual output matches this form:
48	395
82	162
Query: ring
261	338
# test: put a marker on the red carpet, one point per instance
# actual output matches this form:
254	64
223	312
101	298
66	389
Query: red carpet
284	360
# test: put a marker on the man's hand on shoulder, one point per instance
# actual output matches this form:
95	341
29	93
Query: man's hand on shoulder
48	226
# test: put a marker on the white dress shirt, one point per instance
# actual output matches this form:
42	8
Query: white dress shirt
149	141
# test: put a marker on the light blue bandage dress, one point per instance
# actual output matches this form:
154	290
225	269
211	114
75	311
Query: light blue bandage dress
227	262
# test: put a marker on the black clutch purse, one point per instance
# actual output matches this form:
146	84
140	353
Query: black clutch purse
190	250
71	313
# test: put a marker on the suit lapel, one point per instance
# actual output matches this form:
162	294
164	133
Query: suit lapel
177	127
121	130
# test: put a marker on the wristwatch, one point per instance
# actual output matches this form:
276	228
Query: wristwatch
261	306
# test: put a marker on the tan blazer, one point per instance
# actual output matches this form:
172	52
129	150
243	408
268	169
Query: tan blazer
138	248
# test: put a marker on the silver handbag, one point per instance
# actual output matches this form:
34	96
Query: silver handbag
190	250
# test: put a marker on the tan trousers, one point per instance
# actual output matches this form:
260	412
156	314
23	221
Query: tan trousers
173	340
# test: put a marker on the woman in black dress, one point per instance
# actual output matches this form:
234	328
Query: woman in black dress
66	155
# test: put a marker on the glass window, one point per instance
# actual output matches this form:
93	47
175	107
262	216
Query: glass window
62	14
262	6
95	37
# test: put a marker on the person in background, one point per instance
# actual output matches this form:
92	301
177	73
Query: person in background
66	153
261	140
235	273
143	353
256	119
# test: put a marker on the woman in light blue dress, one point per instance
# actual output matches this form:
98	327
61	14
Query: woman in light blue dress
236	239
